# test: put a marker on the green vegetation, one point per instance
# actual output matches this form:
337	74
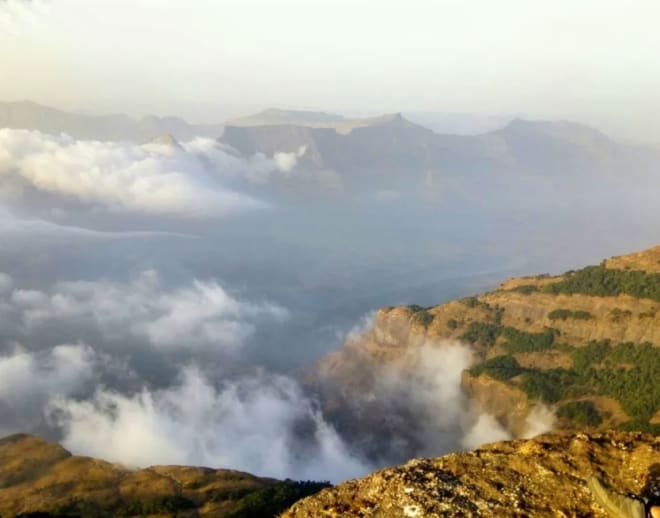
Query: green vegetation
583	413
549	385
162	505
640	426
628	373
523	342
517	341
421	314
618	314
482	332
263	502
601	281
526	289
270	501
423	317
590	355
452	323
564	314
497	314
474	302
632	377
501	367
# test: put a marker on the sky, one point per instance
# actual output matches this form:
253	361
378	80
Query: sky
587	60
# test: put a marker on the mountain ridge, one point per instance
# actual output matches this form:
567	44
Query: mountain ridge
34	116
40	478
583	348
523	155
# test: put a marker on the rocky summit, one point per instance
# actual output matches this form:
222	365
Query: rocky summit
544	476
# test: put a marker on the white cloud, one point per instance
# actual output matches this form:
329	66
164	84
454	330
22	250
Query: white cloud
540	420
114	177
414	406
250	424
200	316
287	161
484	430
29	379
59	370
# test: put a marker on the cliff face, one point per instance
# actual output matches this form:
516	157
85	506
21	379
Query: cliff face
41	477
583	343
540	477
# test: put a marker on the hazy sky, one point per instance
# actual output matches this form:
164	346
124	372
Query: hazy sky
591	60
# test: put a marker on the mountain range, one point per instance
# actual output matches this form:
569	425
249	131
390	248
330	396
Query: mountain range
32	116
393	153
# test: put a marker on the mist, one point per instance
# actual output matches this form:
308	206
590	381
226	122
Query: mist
164	302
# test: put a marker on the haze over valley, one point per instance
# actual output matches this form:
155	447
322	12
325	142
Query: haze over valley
299	293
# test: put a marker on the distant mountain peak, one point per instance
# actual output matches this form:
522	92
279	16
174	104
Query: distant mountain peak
165	143
278	116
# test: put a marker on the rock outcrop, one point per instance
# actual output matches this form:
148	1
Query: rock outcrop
541	477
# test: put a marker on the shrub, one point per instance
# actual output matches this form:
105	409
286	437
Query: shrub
591	354
564	314
501	367
526	289
601	281
161	505
548	385
523	342
272	500
482	332
581	412
423	317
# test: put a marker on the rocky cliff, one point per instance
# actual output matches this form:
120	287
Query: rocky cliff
38	478
540	477
584	344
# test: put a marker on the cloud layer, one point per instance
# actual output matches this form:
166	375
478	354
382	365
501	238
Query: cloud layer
161	179
414	406
262	424
201	316
28	380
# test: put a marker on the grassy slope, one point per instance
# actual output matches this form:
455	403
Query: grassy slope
41	477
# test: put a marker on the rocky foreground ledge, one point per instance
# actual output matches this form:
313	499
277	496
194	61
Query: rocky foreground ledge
544	476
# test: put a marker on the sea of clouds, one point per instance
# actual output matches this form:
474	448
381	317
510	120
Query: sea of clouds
155	301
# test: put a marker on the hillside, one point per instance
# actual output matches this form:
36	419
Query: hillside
583	344
542	477
43	478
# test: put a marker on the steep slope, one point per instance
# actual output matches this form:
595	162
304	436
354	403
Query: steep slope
585	344
541	477
33	116
41	477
